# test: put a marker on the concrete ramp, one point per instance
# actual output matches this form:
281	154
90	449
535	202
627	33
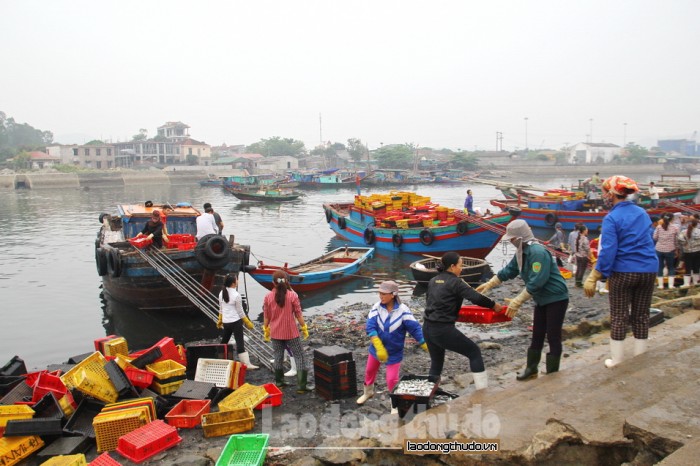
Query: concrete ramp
52	180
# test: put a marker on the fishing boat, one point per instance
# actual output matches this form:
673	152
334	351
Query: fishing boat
212	182
408	223
266	195
331	178
333	267
472	269
148	278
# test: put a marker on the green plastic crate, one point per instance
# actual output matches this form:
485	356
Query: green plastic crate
244	450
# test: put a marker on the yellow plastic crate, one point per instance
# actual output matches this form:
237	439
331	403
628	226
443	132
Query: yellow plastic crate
66	406
66	460
15	449
166	389
11	412
133	403
246	396
93	364
228	422
166	369
402	223
124	362
96	387
110	426
116	346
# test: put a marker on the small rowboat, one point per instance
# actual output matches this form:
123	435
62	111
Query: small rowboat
472	269
334	267
270	195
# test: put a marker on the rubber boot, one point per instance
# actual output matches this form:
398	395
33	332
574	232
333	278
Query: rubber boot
533	359
394	409
293	369
279	378
552	362
481	380
686	281
671	282
660	282
366	394
696	279
245	359
301	381
640	346
617	350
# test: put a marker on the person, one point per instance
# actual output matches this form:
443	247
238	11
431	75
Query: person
545	285
582	252
154	229
571	242
653	195
689	243
232	317
558	241
469	203
666	237
387	324
217	217
358	180
281	307
206	223
626	256
595	179
444	297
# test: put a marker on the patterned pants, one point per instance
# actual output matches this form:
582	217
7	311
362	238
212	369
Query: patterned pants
630	299
294	346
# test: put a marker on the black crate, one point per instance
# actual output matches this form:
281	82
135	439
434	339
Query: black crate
207	351
20	392
162	404
67	446
8	382
78	358
59	367
220	395
14	366
175	378
342	369
405	402
149	357
120	381
332	354
335	394
81	420
48	407
336	381
40	426
191	390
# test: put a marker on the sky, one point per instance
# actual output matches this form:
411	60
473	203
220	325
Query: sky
441	74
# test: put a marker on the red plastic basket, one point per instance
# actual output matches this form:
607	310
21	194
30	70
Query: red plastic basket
186	246
140	242
188	413
105	460
482	315
274	397
139	378
46	383
175	240
147	441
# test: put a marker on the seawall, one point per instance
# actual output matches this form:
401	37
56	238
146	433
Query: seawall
98	179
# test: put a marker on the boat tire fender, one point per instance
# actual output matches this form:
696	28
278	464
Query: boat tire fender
101	261
102	216
114	263
216	247
342	224
329	215
463	227
397	240
369	236
202	253
551	219
427	237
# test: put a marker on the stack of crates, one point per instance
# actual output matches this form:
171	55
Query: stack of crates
335	375
168	376
111	345
90	377
118	419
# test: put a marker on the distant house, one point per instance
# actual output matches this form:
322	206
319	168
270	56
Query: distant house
39	159
686	147
593	152
277	164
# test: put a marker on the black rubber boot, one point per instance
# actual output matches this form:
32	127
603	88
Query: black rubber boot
552	363
302	375
279	378
533	360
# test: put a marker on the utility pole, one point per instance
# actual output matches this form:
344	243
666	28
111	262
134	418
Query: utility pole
320	128
590	120
499	141
526	146
624	135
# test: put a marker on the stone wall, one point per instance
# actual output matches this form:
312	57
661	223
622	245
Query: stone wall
50	180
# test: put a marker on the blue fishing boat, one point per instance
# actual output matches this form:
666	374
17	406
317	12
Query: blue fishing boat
333	267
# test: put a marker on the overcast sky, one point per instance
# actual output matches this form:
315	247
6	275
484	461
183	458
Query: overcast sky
435	73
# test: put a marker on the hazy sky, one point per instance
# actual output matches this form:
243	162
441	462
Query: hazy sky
435	73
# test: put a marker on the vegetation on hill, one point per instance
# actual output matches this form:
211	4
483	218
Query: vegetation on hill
20	137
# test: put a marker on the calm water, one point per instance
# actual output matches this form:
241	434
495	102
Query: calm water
52	307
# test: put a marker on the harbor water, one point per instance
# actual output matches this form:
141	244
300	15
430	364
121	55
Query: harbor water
52	302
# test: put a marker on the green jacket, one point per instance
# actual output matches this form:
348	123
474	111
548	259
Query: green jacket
540	274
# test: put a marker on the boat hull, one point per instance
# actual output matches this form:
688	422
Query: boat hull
472	271
248	196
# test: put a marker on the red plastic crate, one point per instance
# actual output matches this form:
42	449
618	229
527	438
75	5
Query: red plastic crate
175	240
105	460
169	350
141	242
186	246
147	441
188	413
274	397
139	377
482	315
46	383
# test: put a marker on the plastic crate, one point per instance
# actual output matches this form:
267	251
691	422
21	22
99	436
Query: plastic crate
210	351
66	446
48	407
59	368
238	376
334	394
115	347
188	413
139	377
8	382
169	350
228	422
405	401
166	389
17	394
216	371
176	240
15	449
147	441
47	383
565	273
14	366
186	246
39	426
248	449
332	354
166	369
81	420
14	412
481	315
274	397
161	403
246	396
79	357
141	242
110	426
146	357
99	341
145	402
192	390
96	387
94	365
66	460
67	404
105	460
121	382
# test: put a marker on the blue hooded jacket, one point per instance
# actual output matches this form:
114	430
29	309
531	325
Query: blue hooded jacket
391	327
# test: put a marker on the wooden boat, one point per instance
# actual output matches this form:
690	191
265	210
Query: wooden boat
266	195
472	269
212	182
415	226
130	278
333	267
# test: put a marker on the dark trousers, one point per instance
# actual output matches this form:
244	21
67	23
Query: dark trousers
581	264
547	321
444	336
630	299
692	262
235	328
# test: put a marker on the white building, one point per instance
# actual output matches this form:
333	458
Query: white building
593	152
277	163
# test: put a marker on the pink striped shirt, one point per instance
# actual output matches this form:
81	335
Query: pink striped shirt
666	240
283	325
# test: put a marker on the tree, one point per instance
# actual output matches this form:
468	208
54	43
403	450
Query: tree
356	149
465	161
277	146
21	161
16	137
395	156
94	142
142	136
192	159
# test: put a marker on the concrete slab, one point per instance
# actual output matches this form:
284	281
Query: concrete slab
688	455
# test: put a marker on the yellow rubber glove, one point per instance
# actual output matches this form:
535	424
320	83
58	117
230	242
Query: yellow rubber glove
589	284
424	347
220	323
486	287
515	303
266	332
248	323
305	331
382	354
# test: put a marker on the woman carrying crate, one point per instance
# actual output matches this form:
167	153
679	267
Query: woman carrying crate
232	318
281	312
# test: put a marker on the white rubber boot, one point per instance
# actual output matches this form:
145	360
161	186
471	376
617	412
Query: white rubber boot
481	380
640	346
686	281
671	282
393	410
617	350
245	359
293	369
660	282
696	279
366	395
